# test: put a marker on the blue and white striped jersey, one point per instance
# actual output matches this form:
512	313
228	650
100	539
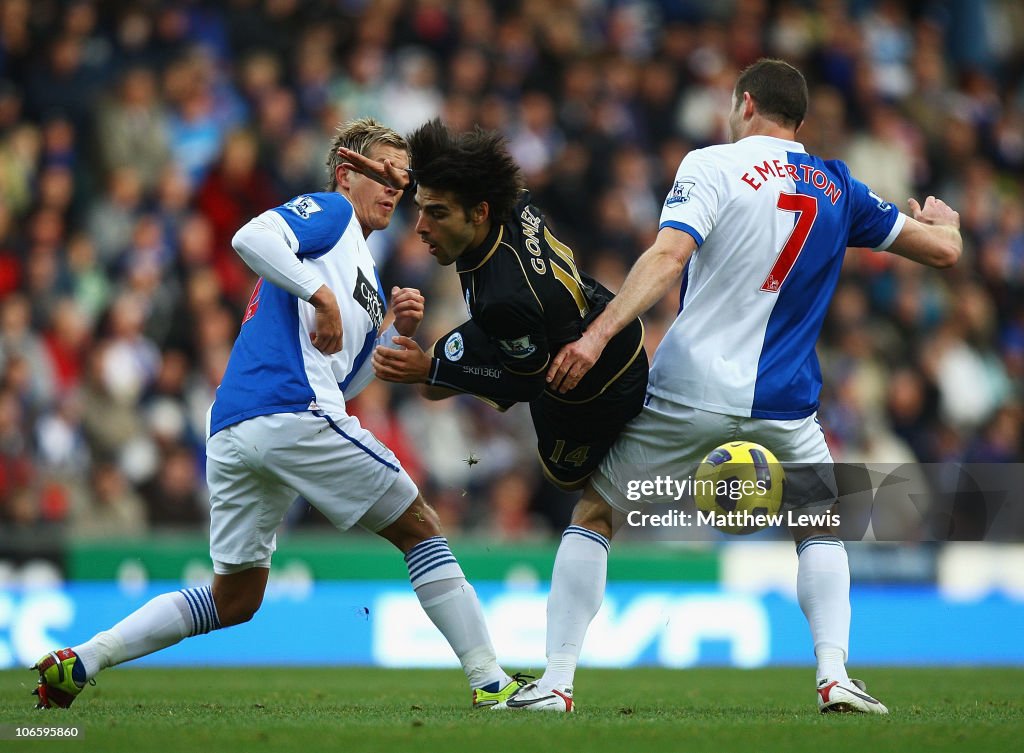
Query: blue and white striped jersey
772	224
274	367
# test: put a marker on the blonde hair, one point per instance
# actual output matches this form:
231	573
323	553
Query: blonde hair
359	135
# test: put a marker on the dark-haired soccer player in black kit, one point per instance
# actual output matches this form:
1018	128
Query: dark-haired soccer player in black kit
526	299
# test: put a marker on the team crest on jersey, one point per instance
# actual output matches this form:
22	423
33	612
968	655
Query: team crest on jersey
680	193
303	206
369	298
454	347
521	347
883	205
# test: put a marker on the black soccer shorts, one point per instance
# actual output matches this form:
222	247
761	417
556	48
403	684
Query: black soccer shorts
573	438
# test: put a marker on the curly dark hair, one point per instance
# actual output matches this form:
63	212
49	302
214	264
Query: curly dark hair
474	166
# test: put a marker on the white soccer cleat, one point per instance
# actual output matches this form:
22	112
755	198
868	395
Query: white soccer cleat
847	698
532	698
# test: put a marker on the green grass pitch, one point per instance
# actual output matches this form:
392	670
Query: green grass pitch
304	710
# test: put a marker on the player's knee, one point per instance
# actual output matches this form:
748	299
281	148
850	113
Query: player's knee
594	514
237	611
426	518
235	607
417	524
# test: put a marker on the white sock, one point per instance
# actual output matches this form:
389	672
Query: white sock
159	623
452	605
577	590
823	590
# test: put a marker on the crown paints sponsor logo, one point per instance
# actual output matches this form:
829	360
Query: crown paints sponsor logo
367	296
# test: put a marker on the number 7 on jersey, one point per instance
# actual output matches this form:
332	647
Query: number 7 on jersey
806	208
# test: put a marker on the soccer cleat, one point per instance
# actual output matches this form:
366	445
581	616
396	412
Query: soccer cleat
483	698
58	687
532	698
843	698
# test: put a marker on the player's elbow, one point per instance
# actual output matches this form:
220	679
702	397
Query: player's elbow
935	246
948	254
252	240
241	241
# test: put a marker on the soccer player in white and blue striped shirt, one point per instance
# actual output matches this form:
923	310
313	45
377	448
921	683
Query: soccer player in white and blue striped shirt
756	231
279	427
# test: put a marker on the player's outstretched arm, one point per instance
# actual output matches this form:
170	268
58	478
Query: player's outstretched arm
383	172
654	273
931	235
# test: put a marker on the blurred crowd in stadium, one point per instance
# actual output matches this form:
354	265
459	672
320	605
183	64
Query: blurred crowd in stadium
137	136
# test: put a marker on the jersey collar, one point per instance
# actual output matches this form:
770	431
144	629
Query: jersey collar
792	146
475	258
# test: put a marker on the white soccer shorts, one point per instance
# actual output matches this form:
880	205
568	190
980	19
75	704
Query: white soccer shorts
255	469
669	439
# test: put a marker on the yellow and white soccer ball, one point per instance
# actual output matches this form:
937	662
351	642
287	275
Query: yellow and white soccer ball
737	478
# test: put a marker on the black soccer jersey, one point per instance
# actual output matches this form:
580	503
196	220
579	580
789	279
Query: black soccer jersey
527	299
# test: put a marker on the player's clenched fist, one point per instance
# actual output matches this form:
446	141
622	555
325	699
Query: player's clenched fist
407	306
934	212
